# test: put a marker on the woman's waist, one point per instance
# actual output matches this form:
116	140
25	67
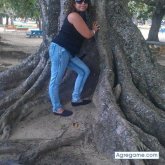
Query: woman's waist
73	47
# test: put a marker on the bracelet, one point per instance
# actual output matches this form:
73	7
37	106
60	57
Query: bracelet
93	32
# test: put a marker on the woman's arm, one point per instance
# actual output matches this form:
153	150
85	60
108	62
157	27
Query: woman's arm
81	26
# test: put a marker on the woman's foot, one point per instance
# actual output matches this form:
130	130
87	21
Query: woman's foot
81	102
63	112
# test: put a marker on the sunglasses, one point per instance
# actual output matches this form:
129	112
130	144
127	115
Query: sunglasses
81	1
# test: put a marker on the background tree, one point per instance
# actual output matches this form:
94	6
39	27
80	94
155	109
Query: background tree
129	98
140	11
158	14
145	9
6	11
26	9
21	8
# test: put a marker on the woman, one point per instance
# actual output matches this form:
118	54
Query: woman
63	50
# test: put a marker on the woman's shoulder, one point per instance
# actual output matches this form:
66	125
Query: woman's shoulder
74	16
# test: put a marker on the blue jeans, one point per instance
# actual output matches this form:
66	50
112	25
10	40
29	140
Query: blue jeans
60	60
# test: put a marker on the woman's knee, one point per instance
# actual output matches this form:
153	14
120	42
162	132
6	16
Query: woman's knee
87	71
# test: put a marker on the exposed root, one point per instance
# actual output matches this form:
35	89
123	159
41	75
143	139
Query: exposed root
136	107
27	108
17	146
114	133
14	111
150	143
117	91
21	89
11	77
29	157
6	132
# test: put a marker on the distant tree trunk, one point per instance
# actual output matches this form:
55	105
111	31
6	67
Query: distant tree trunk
1	20
129	98
7	20
12	20
156	23
39	23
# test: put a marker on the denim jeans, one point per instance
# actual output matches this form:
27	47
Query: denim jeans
60	60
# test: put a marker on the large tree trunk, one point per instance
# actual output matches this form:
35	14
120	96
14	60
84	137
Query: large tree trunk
129	99
156	22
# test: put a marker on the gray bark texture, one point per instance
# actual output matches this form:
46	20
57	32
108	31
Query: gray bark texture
126	86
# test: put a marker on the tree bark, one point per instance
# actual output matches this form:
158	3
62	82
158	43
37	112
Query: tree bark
126	85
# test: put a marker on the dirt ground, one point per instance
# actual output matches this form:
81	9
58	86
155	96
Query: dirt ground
15	46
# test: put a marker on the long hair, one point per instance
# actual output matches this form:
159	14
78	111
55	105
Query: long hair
69	6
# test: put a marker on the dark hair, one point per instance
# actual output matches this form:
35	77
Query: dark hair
69	6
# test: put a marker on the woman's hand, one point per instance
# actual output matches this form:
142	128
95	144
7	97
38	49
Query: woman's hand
95	27
79	24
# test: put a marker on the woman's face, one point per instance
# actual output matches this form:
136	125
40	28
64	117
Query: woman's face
81	5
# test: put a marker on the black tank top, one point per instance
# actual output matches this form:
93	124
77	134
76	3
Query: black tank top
69	38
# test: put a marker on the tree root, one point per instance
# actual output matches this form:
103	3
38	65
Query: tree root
16	146
150	143
27	108
20	90
11	149
112	132
117	91
136	107
23	70
30	156
14	111
11	77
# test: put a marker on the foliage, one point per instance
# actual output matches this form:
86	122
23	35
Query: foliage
5	8
140	9
21	8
